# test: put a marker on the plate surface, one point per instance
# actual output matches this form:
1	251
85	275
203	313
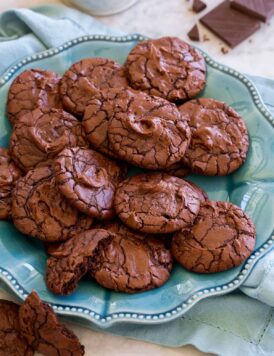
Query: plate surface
22	261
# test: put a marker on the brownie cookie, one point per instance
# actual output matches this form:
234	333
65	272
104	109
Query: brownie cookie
222	237
41	327
12	343
219	140
88	180
72	260
98	112
40	210
130	262
9	174
84	78
40	135
166	67
31	89
156	203
147	131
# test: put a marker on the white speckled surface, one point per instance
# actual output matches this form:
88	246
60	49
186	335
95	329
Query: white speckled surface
157	18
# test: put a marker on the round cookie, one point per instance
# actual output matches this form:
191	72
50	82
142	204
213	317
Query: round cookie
130	262
31	89
43	331
147	131
221	237
12	343
9	174
219	137
98	112
40	135
167	67
71	260
40	210
88	180
84	78
156	203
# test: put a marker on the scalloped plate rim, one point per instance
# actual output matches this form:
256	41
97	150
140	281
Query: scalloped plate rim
145	318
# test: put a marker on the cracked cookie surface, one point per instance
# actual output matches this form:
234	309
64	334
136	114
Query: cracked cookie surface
130	262
167	67
219	138
70	261
12	343
41	134
84	78
9	174
41	327
98	112
146	131
221	237
41	211
156	203
31	89
88	180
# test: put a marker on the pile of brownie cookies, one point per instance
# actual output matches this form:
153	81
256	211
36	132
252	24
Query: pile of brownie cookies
68	179
33	326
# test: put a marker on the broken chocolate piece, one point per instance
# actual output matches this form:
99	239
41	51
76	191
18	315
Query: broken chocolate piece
230	25
193	34
198	6
260	9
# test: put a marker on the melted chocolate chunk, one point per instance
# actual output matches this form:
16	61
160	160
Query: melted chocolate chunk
219	138
39	209
31	89
9	174
41	327
84	78
41	134
221	237
146	131
156	203
166	67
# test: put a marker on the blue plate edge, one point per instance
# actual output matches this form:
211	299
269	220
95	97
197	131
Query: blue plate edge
108	320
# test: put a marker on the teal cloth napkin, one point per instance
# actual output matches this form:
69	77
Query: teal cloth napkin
241	323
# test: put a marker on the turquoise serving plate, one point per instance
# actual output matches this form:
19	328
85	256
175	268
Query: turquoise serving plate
22	260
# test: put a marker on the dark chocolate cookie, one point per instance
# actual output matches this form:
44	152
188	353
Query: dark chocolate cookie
88	180
12	343
41	327
221	237
166	67
147	131
156	203
84	78
31	89
9	174
40	135
130	262
98	112
219	138
72	260
40	210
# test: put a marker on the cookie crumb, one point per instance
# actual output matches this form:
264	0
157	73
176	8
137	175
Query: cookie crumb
224	50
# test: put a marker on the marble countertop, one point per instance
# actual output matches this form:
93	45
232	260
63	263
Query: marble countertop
156	18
